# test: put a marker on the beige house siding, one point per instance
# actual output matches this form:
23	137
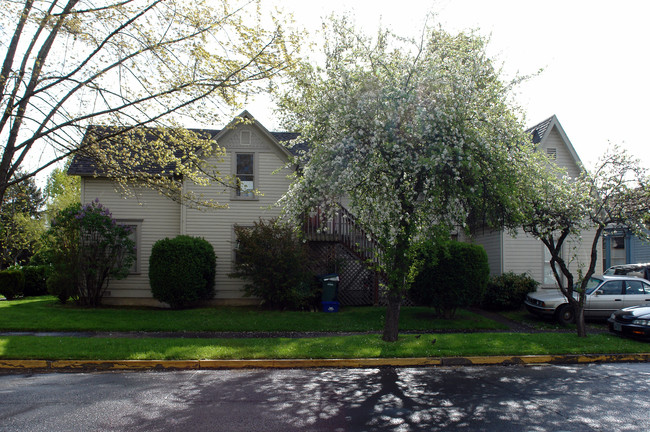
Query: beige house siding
159	217
216	225
525	254
563	157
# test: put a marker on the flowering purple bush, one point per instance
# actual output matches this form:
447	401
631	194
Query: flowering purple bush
88	248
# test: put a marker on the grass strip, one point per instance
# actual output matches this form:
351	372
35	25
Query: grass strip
357	346
46	314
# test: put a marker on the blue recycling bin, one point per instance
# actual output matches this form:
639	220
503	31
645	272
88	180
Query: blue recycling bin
329	298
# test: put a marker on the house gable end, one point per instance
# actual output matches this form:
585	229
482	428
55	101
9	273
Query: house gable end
246	133
550	137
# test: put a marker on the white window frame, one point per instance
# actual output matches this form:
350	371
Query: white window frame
236	192
137	223
546	268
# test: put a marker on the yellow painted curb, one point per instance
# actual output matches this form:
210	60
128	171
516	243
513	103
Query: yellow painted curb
319	363
24	364
95	365
123	364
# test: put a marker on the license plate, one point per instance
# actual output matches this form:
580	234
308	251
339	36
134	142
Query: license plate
618	327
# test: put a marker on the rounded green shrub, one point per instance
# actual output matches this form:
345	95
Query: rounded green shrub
61	284
12	283
451	275
35	280
182	271
508	291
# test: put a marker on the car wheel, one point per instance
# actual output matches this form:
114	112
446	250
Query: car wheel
564	314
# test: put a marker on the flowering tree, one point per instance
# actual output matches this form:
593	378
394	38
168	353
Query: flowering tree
127	63
616	194
89	248
415	135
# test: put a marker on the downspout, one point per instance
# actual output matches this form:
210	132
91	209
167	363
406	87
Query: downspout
183	228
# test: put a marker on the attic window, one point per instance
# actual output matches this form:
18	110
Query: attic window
245	137
551	153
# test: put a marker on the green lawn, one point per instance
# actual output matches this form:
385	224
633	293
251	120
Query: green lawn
45	314
357	346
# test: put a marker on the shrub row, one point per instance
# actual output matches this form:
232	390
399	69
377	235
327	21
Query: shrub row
445	275
451	275
508	291
23	281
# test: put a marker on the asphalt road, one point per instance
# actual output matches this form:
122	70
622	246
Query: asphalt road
596	397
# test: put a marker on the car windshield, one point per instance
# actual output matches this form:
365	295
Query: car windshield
592	284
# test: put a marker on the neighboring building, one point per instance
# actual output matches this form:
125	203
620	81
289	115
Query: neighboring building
523	253
620	246
255	155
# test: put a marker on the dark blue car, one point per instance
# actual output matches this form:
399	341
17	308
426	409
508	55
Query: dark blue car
632	321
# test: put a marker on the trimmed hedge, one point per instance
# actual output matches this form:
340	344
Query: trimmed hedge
508	291
182	271
12	283
451	275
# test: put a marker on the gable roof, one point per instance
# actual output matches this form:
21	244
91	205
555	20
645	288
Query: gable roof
540	131
84	164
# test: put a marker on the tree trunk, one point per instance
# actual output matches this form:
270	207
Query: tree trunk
391	326
579	313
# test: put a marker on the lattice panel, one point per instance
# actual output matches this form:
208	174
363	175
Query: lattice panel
357	282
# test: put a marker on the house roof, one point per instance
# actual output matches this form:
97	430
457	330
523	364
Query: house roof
84	164
540	131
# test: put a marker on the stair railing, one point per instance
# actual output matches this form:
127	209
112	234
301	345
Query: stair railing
341	226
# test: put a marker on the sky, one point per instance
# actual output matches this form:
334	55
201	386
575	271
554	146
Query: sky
594	57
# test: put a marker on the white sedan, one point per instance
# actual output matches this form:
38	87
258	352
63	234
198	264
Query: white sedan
605	294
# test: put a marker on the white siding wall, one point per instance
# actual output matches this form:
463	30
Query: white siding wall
525	254
492	242
160	218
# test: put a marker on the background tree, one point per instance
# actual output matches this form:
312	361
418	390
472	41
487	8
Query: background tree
21	226
560	209
416	134
127	63
61	190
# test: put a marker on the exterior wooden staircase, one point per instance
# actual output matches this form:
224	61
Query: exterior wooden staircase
339	245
